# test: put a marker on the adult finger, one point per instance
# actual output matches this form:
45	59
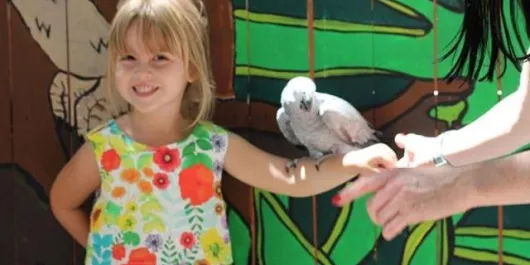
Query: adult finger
393	227
385	203
360	187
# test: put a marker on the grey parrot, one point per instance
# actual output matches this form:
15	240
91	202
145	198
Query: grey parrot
324	124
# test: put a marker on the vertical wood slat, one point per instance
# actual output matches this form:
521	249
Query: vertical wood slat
71	119
7	203
439	226
251	201
500	209
311	58
374	116
37	152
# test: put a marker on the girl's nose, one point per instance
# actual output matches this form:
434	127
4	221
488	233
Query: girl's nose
144	71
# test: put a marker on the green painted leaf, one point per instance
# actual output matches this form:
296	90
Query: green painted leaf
205	159
448	113
204	144
145	161
240	235
428	242
471	255
288	240
131	238
189	149
355	224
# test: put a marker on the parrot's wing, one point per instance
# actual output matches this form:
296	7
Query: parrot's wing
285	127
343	119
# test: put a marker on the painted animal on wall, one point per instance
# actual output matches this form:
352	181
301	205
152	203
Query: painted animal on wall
376	54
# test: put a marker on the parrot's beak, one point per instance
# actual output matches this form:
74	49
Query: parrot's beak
305	104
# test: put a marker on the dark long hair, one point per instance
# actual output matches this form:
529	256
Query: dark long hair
485	32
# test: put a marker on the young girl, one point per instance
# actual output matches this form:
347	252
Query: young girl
157	170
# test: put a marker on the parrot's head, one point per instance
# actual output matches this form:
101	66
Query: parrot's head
299	94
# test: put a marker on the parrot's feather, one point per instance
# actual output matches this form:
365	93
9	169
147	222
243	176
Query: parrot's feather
343	119
285	127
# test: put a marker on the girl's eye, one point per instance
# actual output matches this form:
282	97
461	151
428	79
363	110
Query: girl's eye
160	58
127	58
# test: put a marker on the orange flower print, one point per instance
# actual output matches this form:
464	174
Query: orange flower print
145	187
110	160
118	192
141	256
130	175
161	181
148	172
196	184
118	251
187	240
167	159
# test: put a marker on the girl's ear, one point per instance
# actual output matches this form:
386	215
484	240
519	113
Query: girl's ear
192	74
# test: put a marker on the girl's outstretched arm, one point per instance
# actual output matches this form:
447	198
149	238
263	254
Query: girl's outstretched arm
263	170
76	181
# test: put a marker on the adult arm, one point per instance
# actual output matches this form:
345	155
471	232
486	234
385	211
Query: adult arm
411	195
501	130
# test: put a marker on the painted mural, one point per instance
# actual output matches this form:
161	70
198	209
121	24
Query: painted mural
377	54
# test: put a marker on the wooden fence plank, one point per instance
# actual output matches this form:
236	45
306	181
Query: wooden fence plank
38	153
7	203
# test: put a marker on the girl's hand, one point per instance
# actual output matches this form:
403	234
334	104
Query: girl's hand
373	158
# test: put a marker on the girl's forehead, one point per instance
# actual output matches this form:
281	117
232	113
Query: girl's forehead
146	41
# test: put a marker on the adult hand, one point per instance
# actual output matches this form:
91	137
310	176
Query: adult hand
418	150
406	196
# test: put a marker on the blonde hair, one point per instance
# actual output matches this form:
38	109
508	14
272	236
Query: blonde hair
179	26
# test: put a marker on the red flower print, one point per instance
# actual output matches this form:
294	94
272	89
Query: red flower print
110	160
141	256
161	181
187	240
196	184
167	159
118	251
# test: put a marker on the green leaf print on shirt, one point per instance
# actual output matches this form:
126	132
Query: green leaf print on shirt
131	238
194	158
112	213
189	149
194	218
145	161
169	253
150	209
193	152
201	133
204	144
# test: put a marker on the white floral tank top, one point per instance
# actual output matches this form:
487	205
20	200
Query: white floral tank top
159	205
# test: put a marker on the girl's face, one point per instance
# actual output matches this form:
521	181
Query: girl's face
149	81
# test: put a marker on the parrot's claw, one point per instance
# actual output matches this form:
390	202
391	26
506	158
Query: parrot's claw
291	165
321	160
